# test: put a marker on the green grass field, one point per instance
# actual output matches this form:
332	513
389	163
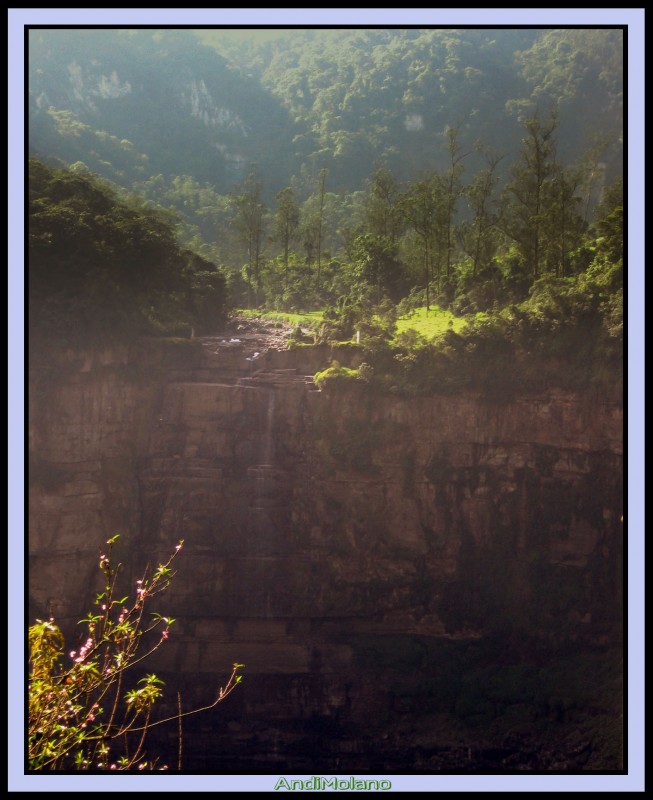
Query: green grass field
435	323
432	324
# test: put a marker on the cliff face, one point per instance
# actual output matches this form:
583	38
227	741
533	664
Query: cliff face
364	556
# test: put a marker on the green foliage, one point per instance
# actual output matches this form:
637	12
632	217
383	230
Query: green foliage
80	716
427	324
568	333
581	72
250	222
408	85
334	376
610	225
340	320
376	269
207	295
104	270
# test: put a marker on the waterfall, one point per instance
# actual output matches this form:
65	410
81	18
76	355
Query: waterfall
262	473
268	441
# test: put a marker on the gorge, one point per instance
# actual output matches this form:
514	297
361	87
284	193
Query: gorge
414	583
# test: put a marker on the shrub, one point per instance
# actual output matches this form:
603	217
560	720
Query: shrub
334	375
81	714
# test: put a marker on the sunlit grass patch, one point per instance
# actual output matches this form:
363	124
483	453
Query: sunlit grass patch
434	323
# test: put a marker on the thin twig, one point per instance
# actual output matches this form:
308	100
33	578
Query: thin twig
179	753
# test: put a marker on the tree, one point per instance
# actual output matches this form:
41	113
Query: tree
592	169
320	220
250	223
424	207
378	268
478	238
101	268
382	215
286	222
206	293
453	188
527	200
609	223
563	225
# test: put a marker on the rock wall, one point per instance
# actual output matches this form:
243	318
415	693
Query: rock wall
347	547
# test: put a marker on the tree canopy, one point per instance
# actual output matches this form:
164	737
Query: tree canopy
102	269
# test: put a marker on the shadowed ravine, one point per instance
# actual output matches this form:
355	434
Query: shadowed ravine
414	584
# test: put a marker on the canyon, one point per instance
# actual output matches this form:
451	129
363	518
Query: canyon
414	583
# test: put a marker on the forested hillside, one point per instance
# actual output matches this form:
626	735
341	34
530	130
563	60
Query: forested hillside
363	95
364	173
102	270
342	99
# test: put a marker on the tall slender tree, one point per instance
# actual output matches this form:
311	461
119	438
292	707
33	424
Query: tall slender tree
564	224
286	222
382	215
320	221
481	231
422	206
250	224
527	198
454	190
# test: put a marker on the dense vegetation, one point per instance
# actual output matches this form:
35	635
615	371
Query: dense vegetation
366	173
142	103
102	270
365	95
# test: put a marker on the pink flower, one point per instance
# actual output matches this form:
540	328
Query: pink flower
164	635
72	654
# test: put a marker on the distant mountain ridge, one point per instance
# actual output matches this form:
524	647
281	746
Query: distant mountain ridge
130	104
169	99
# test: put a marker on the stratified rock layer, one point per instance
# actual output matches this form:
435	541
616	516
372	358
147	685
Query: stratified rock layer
347	547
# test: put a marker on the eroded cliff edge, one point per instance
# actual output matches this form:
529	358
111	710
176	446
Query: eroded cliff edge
410	581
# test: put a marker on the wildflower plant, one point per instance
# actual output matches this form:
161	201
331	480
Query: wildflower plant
83	713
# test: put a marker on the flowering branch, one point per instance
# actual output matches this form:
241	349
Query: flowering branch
74	711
